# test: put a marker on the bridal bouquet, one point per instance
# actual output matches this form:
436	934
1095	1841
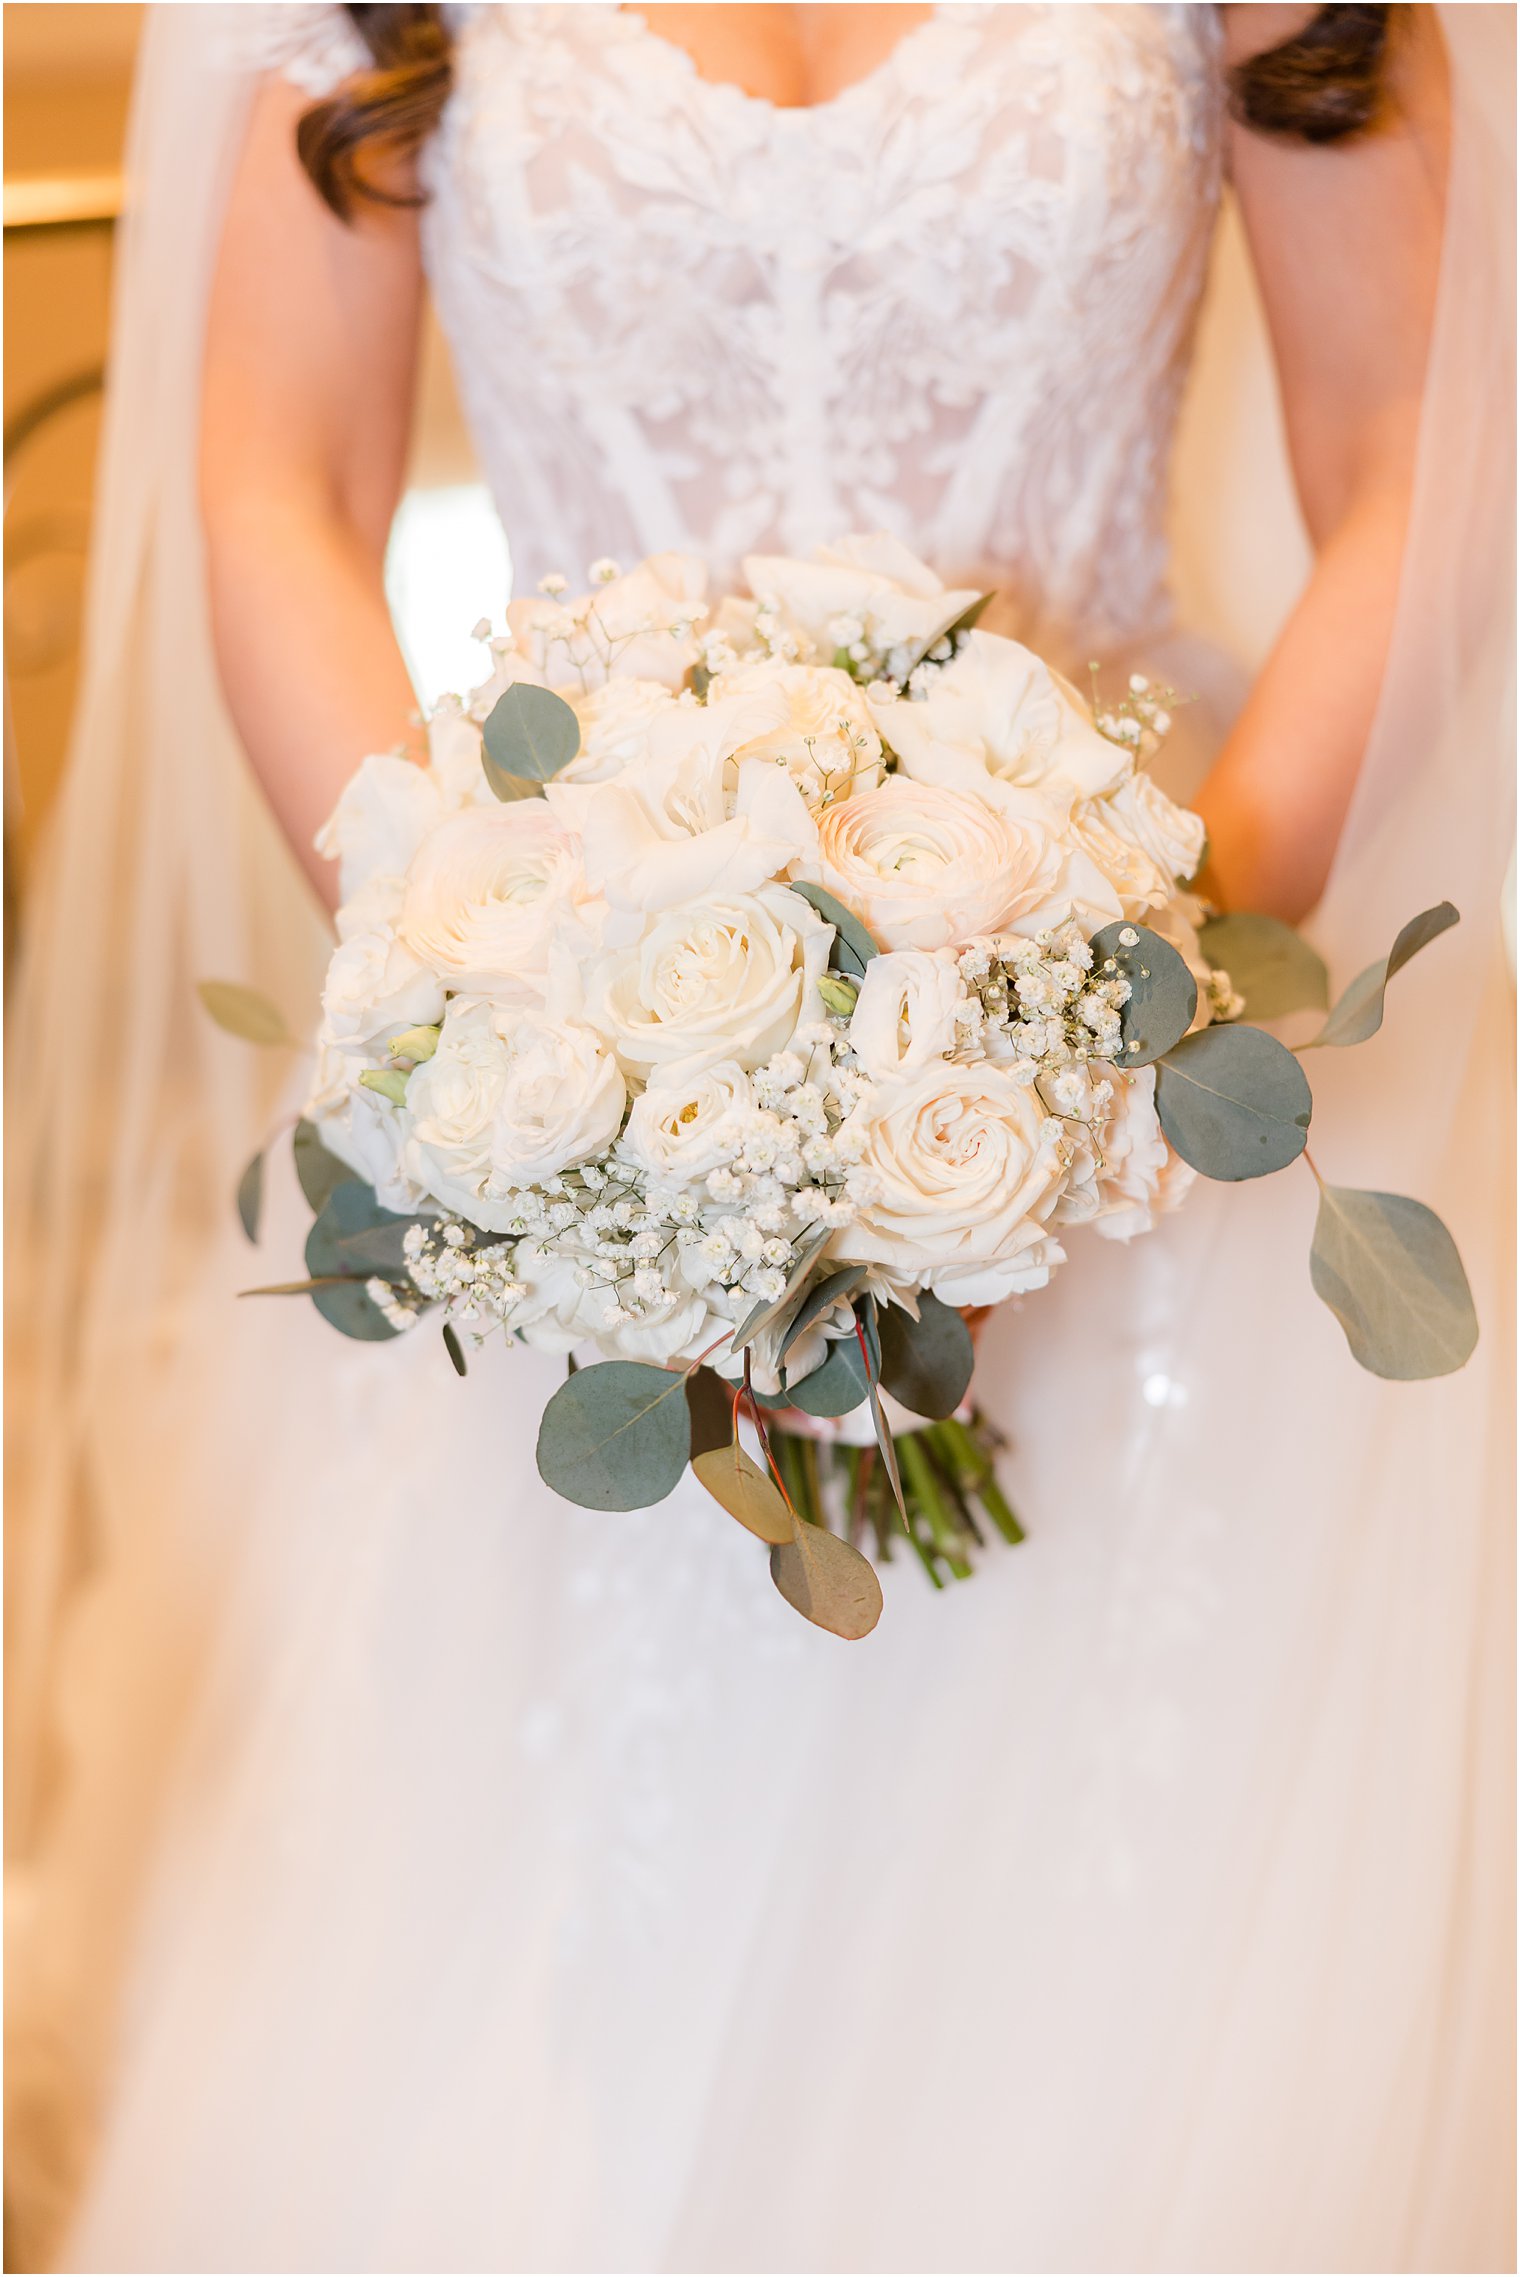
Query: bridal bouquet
743	992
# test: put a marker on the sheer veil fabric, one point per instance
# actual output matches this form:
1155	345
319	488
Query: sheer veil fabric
1173	1935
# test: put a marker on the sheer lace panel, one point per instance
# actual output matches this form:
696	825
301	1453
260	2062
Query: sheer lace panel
953	302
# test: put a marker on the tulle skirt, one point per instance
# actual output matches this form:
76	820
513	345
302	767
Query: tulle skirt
527	1888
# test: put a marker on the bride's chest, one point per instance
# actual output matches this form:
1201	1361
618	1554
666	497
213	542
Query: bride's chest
1000	160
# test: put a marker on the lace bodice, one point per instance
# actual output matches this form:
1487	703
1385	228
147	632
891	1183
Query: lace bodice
953	302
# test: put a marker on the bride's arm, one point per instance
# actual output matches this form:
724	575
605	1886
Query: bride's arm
1346	242
310	369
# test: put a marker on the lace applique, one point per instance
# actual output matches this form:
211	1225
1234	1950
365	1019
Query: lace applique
313	46
954	302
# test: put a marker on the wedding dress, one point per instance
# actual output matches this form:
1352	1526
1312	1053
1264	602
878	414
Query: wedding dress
441	1877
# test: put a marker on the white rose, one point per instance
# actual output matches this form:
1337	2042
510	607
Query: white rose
1172	836
387	808
904	1016
957	1176
373	981
561	1104
996	710
716	980
634	628
822	731
897	601
486	893
615	720
507	1100
687	1123
926	869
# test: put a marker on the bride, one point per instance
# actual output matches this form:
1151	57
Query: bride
417	1873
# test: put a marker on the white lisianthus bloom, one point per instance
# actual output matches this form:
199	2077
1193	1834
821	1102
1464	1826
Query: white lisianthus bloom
687	1122
387	808
958	1172
995	709
1170	835
362	1129
905	1015
636	627
1138	1177
454	755
374	982
928	869
1138	884
486	892
823	732
723	979
451	1106
615	720
662	835
896	600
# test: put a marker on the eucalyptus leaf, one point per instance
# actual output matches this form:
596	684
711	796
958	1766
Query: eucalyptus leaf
838	1385
1163	995
926	1363
349	1307
353	1233
772	1309
827	1293
616	1436
318	1170
870	1337
454	1349
244	1012
745	1491
529	735
1358	1013
711	1402
1389	1271
250	1197
828	1581
853	946
1234	1102
1270	965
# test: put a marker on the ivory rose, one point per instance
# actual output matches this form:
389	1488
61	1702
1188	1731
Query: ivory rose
683	1125
724	979
959	1169
926	869
507	1100
484	894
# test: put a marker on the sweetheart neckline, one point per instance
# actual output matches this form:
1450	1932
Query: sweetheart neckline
869	83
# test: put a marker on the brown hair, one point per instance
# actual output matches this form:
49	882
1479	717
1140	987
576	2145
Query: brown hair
1320	86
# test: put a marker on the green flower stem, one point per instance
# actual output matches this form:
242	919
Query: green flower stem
923	1486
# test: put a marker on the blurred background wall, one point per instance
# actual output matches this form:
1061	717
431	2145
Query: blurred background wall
68	72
